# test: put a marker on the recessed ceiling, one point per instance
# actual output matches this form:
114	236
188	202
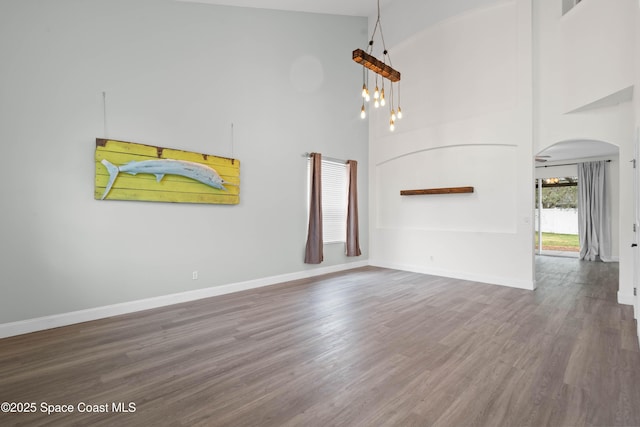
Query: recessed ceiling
332	7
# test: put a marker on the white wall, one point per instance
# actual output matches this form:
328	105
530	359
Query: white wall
550	170
176	75
409	17
596	42
467	123
582	62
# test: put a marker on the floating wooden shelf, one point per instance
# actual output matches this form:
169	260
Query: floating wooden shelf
448	190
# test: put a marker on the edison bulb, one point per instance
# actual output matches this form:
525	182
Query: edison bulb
392	126
376	93
399	115
364	91
382	101
393	116
376	103
367	98
363	113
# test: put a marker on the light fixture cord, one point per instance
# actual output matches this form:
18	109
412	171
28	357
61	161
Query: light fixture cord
375	29
384	45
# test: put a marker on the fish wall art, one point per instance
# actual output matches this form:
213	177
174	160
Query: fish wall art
130	171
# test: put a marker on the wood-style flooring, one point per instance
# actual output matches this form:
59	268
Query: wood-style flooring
367	347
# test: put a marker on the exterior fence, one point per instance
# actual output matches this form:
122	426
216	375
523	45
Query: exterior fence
556	220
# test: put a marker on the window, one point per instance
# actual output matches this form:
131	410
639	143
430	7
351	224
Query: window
334	200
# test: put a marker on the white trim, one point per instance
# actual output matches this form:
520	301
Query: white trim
626	299
492	280
64	319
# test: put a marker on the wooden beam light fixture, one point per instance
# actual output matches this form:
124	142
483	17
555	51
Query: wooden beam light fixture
375	65
383	69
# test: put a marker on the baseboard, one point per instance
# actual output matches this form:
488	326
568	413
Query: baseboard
627	299
65	319
492	280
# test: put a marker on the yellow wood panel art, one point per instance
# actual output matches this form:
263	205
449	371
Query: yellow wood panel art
130	171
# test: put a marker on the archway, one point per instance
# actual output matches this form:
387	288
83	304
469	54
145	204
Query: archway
560	161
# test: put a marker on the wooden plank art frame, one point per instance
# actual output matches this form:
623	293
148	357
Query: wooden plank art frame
155	174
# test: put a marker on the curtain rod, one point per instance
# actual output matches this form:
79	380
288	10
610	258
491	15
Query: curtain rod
565	164
331	159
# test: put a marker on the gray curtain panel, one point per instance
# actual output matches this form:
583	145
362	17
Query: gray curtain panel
314	250
594	217
353	234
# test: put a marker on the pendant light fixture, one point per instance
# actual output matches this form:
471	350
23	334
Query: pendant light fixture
384	69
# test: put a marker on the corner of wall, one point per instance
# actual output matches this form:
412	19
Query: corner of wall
625	298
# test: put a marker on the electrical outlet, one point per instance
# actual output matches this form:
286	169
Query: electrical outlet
195	275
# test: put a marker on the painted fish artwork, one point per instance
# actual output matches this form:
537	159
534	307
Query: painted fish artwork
130	171
160	168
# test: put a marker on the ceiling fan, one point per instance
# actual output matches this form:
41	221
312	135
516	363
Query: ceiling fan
542	159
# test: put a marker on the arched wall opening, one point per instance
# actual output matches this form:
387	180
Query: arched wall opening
561	159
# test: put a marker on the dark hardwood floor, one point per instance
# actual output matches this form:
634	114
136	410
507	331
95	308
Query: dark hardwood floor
367	347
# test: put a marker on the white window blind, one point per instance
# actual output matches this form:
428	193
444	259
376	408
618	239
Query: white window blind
334	200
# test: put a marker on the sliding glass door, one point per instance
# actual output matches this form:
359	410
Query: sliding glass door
557	216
